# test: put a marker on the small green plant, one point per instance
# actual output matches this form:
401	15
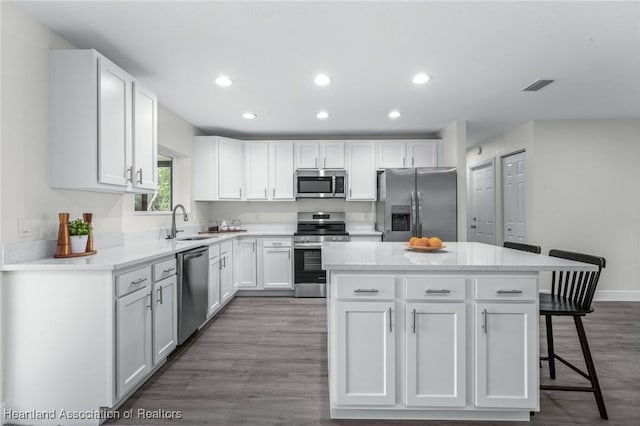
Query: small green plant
78	227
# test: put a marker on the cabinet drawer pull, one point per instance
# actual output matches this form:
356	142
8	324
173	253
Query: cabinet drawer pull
160	295
139	172
138	281
130	174
275	243
273	192
413	327
441	291
484	320
165	271
365	290
509	292
265	193
390	325
150	300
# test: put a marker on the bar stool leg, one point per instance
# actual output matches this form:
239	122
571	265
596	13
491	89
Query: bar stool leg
550	352
593	377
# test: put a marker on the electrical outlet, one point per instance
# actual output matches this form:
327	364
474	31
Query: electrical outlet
24	230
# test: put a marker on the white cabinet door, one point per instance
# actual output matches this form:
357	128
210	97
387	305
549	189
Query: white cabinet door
205	170
391	154
114	123
236	264
366	364
248	263
133	339
422	153
307	155
256	170
145	139
506	355
332	155
277	267
361	172
226	275
230	169
436	355
165	318
214	301
281	170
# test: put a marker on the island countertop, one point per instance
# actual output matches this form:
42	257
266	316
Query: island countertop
462	256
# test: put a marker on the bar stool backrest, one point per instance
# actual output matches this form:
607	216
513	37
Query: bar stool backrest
522	247
578	287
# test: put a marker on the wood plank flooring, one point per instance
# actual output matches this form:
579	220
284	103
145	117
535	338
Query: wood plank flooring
263	361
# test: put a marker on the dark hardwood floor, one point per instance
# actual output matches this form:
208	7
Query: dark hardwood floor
263	361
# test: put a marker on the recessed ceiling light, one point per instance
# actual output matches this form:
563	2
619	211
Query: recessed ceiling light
394	114
322	115
322	80
420	78
249	115
224	81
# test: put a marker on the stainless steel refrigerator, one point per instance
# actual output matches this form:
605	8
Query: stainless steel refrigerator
416	203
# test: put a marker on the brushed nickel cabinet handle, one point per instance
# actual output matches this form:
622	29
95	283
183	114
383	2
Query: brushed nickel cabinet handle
509	291
130	174
139	172
442	291
138	281
413	313
484	320
325	163
164	271
316	162
365	290
265	193
390	325
273	193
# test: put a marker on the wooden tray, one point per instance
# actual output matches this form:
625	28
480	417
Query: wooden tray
221	232
425	249
86	253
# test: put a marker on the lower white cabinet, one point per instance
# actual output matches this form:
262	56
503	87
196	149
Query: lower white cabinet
436	354
506	357
366	353
165	318
134	351
226	272
214	302
248	263
277	263
235	273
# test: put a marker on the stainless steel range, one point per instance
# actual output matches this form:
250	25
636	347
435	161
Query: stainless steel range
314	228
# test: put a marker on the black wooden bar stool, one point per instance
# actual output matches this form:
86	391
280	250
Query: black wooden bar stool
571	295
522	247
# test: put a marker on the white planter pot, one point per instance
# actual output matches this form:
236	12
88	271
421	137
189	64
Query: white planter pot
79	243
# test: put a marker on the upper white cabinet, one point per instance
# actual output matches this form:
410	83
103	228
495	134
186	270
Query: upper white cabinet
281	170
361	171
391	154
257	170
230	168
319	155
269	170
415	153
218	168
99	117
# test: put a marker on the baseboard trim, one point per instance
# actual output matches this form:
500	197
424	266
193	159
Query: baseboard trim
613	295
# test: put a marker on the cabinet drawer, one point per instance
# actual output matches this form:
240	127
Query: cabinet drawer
276	242
214	251
363	287
132	281
506	288
435	288
226	247
162	270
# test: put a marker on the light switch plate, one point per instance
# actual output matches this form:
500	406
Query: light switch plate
23	229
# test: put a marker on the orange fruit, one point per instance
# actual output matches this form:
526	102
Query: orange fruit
422	242
413	241
435	242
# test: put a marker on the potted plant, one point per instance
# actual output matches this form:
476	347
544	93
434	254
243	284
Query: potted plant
79	232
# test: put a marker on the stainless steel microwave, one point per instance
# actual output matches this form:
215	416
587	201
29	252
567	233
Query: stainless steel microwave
321	183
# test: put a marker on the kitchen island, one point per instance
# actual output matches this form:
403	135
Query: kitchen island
451	334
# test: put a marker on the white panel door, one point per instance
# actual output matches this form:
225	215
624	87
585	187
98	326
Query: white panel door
506	355
306	154
248	263
205	168
391	154
145	138
165	318
213	294
482	212
332	155
361	171
133	339
422	154
230	169
256	170
366	364
114	124
277	267
281	170
226	277
513	190
436	355
236	264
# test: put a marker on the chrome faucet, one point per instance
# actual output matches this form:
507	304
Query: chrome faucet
174	231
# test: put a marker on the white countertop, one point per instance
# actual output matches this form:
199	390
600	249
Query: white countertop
130	254
370	256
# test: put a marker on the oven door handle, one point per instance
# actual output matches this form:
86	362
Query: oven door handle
307	245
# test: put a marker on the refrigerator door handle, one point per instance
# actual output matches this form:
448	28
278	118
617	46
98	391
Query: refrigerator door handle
414	216
419	218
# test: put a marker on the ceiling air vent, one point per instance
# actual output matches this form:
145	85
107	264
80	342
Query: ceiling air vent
537	85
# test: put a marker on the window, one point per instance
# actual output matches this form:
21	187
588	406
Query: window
162	199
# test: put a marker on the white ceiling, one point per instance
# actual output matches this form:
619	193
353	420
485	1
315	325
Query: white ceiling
479	54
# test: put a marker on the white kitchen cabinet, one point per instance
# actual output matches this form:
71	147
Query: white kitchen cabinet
248	263
436	355
422	153
361	171
145	139
506	355
235	252
391	154
213	294
256	167
281	171
230	169
134	337
205	168
277	263
319	155
226	272
165	318
366	352
93	116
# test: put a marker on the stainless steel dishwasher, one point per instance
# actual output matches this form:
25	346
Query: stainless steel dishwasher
193	279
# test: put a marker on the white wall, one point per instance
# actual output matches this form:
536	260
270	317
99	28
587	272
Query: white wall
1	285
453	147
583	190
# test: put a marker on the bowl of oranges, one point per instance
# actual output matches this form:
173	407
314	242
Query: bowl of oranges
425	244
